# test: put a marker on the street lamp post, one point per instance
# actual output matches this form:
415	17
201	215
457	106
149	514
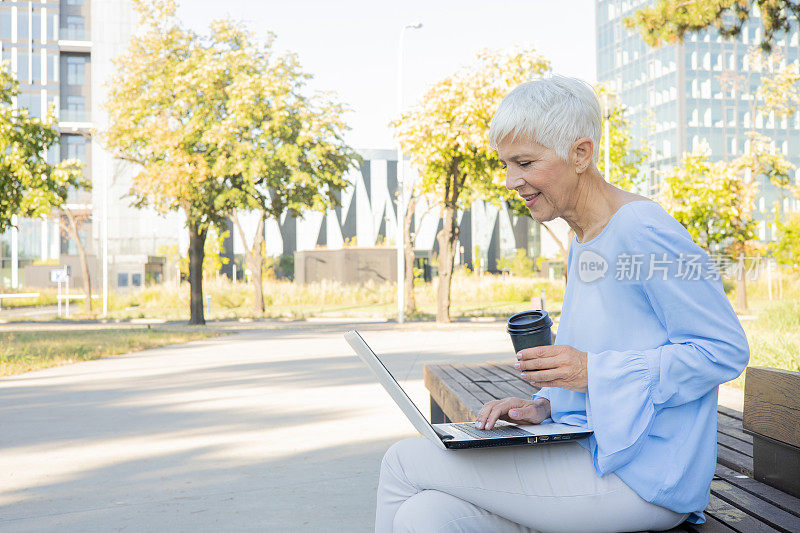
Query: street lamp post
609	101
401	271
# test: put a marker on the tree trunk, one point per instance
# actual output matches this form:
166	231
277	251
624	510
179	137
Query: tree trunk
408	245
197	241
254	259
741	286
87	280
447	237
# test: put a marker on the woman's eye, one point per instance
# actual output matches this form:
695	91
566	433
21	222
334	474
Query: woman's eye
524	164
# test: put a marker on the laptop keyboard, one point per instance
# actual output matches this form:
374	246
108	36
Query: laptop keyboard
501	431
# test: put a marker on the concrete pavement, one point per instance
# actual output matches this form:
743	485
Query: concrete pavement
267	430
277	429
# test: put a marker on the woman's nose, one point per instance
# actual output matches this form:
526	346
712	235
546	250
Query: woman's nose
512	181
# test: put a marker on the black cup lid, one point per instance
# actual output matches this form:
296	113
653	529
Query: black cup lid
529	321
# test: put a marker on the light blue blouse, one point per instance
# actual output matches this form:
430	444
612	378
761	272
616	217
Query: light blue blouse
646	304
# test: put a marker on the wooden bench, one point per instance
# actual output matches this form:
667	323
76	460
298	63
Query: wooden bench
739	503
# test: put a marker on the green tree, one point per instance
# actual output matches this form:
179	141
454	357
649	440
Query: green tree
786	248
195	115
445	136
31	186
519	264
283	151
714	202
668	21
710	199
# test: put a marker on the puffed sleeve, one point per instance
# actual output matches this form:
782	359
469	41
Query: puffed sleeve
706	347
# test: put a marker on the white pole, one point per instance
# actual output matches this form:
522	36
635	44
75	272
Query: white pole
107	186
401	271
607	150
769	278
66	296
45	239
14	252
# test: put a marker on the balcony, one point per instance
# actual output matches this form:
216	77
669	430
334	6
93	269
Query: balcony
74	119
74	40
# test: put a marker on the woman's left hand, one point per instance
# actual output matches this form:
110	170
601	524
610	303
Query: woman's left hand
554	366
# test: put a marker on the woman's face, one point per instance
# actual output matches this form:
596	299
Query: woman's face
545	182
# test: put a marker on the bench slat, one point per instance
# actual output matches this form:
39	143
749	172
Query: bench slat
754	506
733	413
455	401
472	388
735	460
712	525
734	444
732	426
504	387
776	497
736	518
482	381
526	390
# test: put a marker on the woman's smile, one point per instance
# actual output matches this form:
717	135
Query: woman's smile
530	199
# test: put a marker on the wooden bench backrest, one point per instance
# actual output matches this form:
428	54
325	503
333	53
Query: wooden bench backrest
772	404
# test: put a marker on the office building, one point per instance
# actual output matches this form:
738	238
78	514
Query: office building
679	95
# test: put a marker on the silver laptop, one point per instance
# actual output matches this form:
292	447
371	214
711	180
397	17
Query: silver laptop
461	435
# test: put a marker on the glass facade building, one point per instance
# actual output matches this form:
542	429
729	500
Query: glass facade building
37	40
703	89
62	53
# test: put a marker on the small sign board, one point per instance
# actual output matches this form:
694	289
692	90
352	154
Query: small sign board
59	276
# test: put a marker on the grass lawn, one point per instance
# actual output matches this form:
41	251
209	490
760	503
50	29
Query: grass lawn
23	351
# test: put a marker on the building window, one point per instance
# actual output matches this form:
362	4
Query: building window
76	28
75	110
76	69
122	279
136	280
32	102
52	28
36	27
76	147
22	66
52	68
36	64
22	25
76	103
5	25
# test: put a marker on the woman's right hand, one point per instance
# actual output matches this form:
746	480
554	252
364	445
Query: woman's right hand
513	410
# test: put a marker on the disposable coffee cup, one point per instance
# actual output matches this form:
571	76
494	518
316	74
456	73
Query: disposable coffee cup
530	329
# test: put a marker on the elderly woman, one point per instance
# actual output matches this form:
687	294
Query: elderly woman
645	339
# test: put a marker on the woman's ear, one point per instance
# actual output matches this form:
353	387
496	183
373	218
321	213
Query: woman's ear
582	150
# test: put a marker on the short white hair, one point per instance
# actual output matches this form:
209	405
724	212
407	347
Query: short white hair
552	111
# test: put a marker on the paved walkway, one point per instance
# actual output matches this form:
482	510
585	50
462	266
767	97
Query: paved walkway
267	429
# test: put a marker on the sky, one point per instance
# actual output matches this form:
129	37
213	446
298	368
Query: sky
351	46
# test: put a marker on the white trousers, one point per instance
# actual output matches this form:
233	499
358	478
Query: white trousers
533	489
